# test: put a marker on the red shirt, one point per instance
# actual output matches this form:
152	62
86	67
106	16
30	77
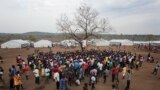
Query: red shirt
114	70
85	66
55	70
26	69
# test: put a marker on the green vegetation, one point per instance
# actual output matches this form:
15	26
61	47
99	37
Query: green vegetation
60	36
130	37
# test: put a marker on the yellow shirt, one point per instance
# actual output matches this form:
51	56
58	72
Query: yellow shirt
124	70
17	80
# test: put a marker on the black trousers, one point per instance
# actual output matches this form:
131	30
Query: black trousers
57	85
17	87
37	80
128	85
113	77
92	87
104	77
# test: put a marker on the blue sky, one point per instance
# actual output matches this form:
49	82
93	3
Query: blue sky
125	16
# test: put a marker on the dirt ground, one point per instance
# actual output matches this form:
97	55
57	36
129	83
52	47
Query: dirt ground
141	80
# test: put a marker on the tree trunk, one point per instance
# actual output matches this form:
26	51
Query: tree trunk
81	46
149	46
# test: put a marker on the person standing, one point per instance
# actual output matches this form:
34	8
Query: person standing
128	78
105	75
124	70
47	74
141	61
155	71
16	81
20	80
13	70
26	71
63	84
137	65
81	74
57	79
71	77
36	74
113	73
18	60
11	83
100	66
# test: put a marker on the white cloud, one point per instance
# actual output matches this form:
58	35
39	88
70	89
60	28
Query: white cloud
137	24
126	16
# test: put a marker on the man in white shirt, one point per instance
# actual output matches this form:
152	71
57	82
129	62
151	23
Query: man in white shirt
47	74
56	76
57	79
51	63
36	74
100	66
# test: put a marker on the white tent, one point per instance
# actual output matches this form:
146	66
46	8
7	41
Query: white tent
121	42
15	44
69	43
155	43
99	42
141	42
55	44
43	43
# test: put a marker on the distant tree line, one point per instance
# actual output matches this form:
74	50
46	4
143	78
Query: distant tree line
7	37
131	37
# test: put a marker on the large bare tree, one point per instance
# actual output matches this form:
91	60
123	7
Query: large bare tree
84	25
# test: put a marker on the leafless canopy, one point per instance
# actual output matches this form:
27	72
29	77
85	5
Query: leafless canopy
85	24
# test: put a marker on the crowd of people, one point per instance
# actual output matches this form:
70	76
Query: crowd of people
74	68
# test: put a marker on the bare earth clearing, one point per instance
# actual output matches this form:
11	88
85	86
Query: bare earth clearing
141	80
